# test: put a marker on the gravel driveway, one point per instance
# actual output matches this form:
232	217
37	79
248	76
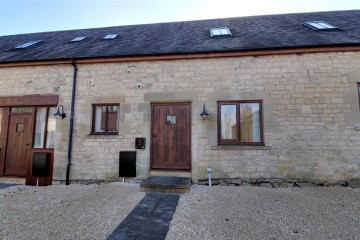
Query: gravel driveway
266	213
65	212
94	211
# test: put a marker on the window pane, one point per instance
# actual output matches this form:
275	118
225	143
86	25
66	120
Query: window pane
250	122
216	32
228	122
112	118
106	119
40	122
21	110
100	115
51	127
358	85
1	113
223	31
170	119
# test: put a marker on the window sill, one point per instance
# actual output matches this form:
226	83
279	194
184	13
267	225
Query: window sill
232	147
98	135
103	134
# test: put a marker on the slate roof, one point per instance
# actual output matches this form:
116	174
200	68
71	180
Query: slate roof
281	31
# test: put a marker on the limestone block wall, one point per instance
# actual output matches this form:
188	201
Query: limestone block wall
310	109
310	105
55	79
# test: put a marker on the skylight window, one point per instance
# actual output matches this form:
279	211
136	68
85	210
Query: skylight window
110	36
220	32
78	39
320	25
28	44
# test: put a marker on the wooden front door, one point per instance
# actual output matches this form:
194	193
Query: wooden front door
171	136
18	144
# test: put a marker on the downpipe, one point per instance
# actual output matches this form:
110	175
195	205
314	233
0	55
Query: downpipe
67	181
209	171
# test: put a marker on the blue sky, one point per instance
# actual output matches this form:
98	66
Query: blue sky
27	16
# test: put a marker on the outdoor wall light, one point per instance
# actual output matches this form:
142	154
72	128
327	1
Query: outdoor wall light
204	113
60	114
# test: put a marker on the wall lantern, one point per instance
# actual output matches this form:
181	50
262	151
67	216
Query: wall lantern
60	114
204	113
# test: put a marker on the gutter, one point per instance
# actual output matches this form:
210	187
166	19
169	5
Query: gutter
67	181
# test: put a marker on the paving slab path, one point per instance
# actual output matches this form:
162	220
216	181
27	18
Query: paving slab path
150	219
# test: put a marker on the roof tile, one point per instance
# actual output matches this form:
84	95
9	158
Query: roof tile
248	33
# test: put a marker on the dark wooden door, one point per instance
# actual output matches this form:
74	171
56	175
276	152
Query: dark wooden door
171	136
18	144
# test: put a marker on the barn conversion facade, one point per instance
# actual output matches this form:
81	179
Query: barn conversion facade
261	100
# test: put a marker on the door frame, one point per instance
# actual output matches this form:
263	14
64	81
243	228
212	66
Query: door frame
152	104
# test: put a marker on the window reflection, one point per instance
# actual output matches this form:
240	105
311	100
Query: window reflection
100	119
1	113
250	122
51	127
40	121
112	118
228	122
106	119
21	109
45	121
240	122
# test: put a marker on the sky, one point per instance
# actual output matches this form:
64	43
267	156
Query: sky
29	16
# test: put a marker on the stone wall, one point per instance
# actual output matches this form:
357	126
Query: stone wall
280	182
16	81
310	105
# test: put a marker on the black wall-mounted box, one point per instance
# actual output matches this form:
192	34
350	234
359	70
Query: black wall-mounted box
140	143
40	166
127	165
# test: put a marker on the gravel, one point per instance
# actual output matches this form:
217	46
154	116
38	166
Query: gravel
94	211
266	213
65	212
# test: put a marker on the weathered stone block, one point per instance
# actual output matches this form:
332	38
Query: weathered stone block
144	107
266	184
354	183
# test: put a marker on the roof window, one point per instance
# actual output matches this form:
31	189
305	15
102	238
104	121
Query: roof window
28	44
320	25
220	32
78	39
110	36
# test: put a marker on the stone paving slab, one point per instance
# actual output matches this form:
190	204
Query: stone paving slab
167	184
6	185
150	219
168	181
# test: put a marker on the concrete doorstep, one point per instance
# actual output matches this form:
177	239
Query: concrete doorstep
6	182
13	180
166	184
6	185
